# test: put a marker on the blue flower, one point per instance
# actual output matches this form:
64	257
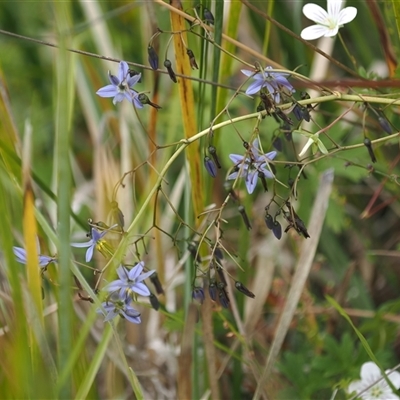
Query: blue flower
130	281
118	305
121	86
273	81
21	257
250	167
96	236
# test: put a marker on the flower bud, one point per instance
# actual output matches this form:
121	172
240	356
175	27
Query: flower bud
210	166
153	57
208	17
198	294
145	100
277	230
212	290
213	151
384	123
156	282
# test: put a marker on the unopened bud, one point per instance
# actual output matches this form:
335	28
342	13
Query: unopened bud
153	57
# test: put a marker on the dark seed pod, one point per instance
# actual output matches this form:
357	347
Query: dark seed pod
239	286
283	116
212	289
208	17
171	73
368	145
213	152
153	57
192	247
223	298
154	301
287	131
192	59
221	276
145	100
298	112
245	218
263	180
210	166
261	108
132	72
218	253
156	282
384	123
269	221
268	104
277	230
277	143
306	114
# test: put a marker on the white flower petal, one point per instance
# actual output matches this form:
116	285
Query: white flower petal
347	15
315	13
334	7
356	386
314	32
370	371
332	32
395	378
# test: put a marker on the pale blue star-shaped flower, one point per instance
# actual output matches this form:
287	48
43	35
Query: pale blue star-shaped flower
130	280
273	81
121	86
95	237
21	257
249	167
119	305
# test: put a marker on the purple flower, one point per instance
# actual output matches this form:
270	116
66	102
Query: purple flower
21	257
198	294
273	81
121	86
117	305
249	167
96	236
130	281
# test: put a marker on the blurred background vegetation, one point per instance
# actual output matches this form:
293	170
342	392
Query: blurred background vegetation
77	152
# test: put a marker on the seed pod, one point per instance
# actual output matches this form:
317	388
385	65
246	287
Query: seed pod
117	215
223	297
269	221
213	151
171	73
218	253
156	282
297	112
277	143
368	145
208	17
287	131
220	275
263	180
283	116
212	290
154	301
277	230
192	59
245	218
210	166
152	57
239	286
261	108
384	123
192	247
145	100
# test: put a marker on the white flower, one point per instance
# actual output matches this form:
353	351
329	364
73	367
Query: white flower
370	374
314	141
328	23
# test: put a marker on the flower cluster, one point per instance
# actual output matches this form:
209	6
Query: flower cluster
123	292
252	166
275	82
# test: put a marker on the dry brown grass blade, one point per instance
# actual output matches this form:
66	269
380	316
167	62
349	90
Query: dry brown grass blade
185	359
300	276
